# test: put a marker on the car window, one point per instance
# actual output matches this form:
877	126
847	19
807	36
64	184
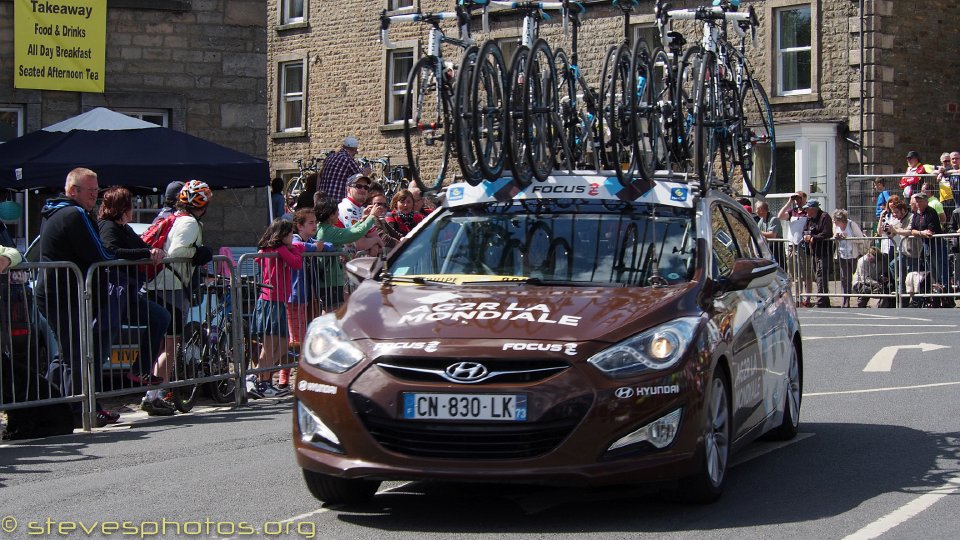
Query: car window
741	232
724	246
585	243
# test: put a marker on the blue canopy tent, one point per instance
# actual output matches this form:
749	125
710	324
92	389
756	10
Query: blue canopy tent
123	151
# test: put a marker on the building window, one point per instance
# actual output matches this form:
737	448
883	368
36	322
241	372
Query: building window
806	160
794	46
399	64
397	5
158	117
11	123
291	96
291	11
508	46
648	32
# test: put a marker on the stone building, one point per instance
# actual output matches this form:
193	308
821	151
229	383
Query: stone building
853	84
198	66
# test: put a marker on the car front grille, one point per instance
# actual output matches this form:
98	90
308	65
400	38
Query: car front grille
501	371
471	440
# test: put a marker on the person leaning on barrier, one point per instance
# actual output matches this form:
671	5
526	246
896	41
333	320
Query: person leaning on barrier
933	202
169	287
845	231
328	231
68	233
770	230
130	306
818	236
871	278
905	256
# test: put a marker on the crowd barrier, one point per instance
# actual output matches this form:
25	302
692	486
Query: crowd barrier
898	271
70	339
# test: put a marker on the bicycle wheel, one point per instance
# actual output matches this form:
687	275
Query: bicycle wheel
569	115
757	141
663	103
489	112
540	109
604	108
516	92
621	117
648	146
426	123
717	105
684	94
293	188
463	118
188	364
222	362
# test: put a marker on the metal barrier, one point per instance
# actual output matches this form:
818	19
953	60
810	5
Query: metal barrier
903	270
42	335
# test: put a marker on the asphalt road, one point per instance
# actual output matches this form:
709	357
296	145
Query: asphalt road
877	456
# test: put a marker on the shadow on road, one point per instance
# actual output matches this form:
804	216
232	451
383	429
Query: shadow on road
825	475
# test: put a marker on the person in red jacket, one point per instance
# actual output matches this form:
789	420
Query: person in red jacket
910	184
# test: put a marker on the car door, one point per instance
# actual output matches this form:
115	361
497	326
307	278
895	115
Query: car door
738	311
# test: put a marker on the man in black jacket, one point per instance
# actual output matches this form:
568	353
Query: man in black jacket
818	237
69	233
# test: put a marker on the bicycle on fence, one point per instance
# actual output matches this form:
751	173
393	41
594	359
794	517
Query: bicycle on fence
429	100
207	348
295	185
733	122
390	178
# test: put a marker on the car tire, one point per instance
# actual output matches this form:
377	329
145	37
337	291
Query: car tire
706	485
334	490
791	408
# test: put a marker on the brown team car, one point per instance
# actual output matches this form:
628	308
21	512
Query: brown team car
560	334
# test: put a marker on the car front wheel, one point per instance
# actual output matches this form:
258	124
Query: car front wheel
707	484
334	490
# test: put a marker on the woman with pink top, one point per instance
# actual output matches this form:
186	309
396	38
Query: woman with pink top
270	316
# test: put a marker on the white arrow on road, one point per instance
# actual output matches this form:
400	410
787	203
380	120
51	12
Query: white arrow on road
883	360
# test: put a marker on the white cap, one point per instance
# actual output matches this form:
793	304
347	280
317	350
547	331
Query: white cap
351	142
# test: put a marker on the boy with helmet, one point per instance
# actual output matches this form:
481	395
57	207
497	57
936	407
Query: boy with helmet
169	286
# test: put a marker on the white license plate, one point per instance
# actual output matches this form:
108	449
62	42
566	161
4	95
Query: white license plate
501	407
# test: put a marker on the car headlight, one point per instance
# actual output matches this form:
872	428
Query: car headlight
326	347
657	348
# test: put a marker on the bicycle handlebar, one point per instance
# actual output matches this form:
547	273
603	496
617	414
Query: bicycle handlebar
526	6
461	15
712	13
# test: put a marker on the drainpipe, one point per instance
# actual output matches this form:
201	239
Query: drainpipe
863	99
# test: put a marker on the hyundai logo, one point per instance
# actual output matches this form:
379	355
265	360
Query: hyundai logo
624	392
466	371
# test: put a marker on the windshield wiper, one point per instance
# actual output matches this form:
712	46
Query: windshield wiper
568	283
418	280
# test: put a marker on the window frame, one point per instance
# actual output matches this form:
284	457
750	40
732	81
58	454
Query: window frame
21	120
286	21
808	139
281	100
771	10
140	113
394	119
391	6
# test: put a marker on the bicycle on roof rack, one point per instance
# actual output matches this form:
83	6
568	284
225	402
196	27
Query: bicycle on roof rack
429	102
733	122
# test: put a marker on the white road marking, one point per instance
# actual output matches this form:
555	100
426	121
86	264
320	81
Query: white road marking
864	316
874	325
814	338
887	389
883	360
906	512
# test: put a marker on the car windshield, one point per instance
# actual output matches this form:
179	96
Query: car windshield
616	245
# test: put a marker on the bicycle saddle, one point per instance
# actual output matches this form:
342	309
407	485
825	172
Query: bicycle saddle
676	39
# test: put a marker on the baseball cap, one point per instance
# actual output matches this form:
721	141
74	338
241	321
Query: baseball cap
812	204
173	189
913	154
919	195
351	142
352	181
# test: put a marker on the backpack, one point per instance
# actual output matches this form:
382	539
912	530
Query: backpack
156	237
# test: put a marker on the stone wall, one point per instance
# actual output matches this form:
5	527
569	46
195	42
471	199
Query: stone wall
204	61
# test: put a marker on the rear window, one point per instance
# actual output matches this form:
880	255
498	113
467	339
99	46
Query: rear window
621	244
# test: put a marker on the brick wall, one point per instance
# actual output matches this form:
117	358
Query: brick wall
204	61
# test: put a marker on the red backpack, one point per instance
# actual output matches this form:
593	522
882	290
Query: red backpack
156	237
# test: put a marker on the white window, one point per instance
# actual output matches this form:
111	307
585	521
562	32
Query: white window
154	116
396	5
291	11
794	50
291	96
399	64
11	123
649	32
806	161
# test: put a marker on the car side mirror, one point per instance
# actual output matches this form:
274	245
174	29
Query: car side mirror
362	268
748	274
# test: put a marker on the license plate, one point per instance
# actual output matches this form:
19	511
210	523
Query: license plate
123	356
496	407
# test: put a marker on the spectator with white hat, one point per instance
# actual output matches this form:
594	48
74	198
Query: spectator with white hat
338	168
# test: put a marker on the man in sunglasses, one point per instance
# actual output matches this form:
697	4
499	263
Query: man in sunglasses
350	209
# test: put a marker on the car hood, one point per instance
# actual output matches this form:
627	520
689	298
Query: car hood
510	311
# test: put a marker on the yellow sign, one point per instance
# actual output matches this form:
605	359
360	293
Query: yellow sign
60	44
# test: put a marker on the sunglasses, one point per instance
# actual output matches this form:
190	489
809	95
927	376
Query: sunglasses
361	186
